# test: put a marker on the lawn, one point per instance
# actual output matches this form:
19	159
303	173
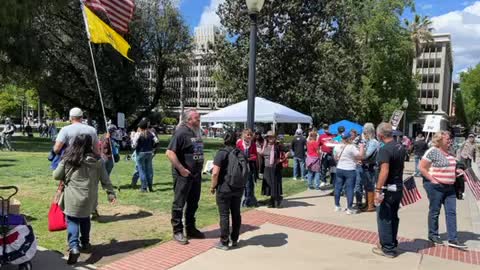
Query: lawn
136	221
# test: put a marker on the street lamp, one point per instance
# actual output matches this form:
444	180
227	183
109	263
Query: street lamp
254	7
405	106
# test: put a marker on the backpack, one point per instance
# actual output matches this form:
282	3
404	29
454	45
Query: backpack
237	169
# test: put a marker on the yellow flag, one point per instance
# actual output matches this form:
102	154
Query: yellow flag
100	32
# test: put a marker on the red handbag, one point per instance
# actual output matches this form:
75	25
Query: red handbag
56	217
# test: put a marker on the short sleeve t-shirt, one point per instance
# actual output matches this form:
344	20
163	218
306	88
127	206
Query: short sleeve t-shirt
189	150
68	133
393	153
298	146
347	157
312	148
221	160
443	165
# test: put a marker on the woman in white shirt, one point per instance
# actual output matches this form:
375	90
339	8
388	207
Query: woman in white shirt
347	155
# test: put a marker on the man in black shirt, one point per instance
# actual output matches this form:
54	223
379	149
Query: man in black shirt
388	193
185	152
228	198
298	146
420	146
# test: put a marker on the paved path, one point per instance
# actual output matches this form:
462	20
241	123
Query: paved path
307	233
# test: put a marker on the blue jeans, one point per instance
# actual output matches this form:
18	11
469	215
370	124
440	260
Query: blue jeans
346	178
388	221
298	162
145	169
439	194
109	166
249	199
313	176
358	190
417	161
369	178
78	227
135	176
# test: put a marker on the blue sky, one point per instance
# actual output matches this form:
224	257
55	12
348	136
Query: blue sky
448	16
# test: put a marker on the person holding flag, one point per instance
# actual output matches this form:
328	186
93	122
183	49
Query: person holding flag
438	169
388	193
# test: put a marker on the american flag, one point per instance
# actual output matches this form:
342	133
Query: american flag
119	12
410	192
473	183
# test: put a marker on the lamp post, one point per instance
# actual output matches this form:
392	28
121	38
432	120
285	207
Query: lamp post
254	7
405	106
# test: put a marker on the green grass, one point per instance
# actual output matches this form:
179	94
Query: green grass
28	168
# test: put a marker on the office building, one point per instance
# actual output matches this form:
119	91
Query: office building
434	68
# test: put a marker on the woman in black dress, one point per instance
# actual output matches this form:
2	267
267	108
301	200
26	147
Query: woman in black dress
272	178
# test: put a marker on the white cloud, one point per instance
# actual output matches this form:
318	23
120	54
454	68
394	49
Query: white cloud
464	26
427	6
209	15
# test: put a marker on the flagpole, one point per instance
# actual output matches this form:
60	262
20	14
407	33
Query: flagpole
97	81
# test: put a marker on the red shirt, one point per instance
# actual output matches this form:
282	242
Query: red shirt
323	140
252	150
312	148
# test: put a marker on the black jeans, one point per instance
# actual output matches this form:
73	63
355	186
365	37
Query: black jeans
388	221
186	191
229	203
327	162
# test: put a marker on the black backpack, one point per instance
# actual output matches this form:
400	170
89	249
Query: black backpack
237	169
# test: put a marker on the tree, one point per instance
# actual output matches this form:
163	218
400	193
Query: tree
470	89
62	70
420	31
325	58
13	99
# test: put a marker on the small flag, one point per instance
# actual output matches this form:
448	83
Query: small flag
100	32
410	192
473	183
119	12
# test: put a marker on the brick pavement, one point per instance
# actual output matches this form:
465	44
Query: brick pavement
170	254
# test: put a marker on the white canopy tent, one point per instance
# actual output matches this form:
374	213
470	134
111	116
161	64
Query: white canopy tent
265	112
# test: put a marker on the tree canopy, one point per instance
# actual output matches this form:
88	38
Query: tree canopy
470	93
329	59
51	55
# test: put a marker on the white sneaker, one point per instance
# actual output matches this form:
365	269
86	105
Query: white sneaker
351	212
322	184
338	209
294	179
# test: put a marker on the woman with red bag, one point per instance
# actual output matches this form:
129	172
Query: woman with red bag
81	170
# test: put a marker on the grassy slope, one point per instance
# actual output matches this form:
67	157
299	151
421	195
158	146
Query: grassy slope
29	170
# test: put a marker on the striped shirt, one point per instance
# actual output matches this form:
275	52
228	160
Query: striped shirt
443	166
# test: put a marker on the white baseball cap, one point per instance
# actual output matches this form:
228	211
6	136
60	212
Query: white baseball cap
76	112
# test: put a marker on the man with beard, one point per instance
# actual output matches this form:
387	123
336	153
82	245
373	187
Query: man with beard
185	152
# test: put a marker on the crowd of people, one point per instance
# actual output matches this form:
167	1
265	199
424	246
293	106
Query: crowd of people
366	168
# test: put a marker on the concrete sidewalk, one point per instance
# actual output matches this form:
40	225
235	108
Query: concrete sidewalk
307	233
50	260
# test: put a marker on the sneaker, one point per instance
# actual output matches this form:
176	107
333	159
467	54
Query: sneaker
195	234
322	184
311	188
351	211
180	238
338	209
73	255
235	243
294	179
379	251
86	248
221	246
456	244
436	241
